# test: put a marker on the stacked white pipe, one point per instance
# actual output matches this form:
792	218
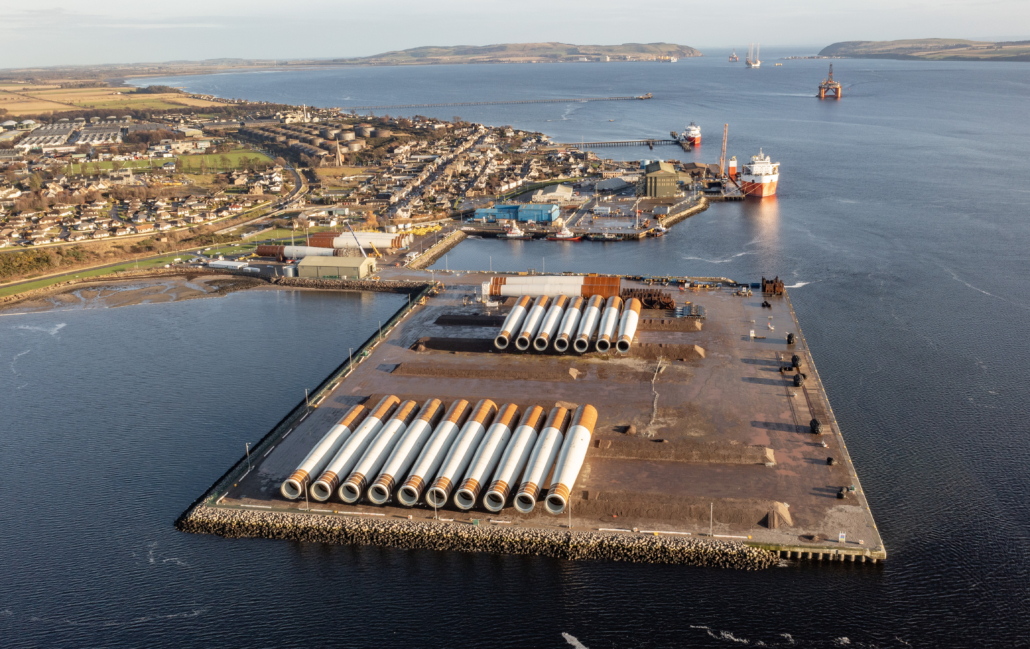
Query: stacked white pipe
434	452
628	325
316	461
609	323
512	323
568	325
550	323
348	455
406	451
570	460
516	454
377	452
532	323
588	324
551	285
487	455
460	454
541	460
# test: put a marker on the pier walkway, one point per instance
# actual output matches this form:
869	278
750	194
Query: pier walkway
500	103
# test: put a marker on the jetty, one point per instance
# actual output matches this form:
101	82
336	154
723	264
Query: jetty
505	102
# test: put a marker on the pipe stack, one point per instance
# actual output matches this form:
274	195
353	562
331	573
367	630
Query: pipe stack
293	487
516	454
461	452
542	459
609	321
487	455
628	325
568	325
377	452
512	323
588	324
345	459
432	455
405	452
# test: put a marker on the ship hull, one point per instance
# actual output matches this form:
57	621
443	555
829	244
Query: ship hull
564	238
758	188
694	141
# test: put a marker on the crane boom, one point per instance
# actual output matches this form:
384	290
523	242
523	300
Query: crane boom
722	158
355	235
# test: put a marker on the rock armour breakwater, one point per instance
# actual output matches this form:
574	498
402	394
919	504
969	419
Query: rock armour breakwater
462	537
429	257
392	286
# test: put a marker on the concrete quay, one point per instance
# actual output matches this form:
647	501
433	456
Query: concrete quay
700	436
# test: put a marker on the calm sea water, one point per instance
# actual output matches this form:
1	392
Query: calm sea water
901	224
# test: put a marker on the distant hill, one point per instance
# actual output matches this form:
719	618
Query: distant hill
932	49
524	53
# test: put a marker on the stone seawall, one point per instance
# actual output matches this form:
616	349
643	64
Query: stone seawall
429	257
672	219
464	537
392	286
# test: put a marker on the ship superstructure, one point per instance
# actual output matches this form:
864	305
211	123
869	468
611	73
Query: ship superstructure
692	135
760	176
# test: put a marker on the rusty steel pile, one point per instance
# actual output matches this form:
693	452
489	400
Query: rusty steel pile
440	456
650	298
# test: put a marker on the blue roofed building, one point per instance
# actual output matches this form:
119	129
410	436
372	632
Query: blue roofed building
535	212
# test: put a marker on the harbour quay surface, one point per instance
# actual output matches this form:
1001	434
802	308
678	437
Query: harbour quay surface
703	436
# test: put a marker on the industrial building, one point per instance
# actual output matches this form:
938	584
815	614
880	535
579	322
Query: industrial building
336	267
536	213
553	194
660	180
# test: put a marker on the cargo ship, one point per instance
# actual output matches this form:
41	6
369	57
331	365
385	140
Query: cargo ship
760	176
692	135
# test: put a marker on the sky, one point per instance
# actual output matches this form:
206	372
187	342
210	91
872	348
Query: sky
86	32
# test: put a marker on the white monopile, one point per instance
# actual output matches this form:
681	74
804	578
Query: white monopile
587	325
377	451
293	487
550	323
542	459
570	460
433	453
406	451
532	323
461	452
516	454
487	456
628	325
512	323
348	455
568	325
609	321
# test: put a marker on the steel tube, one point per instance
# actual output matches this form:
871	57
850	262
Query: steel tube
532	323
378	450
516	454
550	323
487	456
591	315
547	445
570	460
512	323
406	451
348	455
293	487
568	325
628	325
433	453
609	321
460	454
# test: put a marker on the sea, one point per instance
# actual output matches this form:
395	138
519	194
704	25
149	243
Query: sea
901	226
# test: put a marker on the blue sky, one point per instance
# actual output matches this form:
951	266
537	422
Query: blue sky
59	32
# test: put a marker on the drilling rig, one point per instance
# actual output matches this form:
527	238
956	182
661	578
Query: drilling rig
830	86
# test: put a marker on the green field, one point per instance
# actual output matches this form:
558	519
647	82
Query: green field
143	263
214	160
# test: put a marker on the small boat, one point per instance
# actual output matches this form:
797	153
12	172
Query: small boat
564	234
515	234
602	236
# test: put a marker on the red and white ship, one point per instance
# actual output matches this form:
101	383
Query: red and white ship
692	135
760	176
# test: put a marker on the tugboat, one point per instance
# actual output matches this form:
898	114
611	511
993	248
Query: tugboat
564	234
514	233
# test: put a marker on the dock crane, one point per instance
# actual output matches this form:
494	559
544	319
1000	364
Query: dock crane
355	235
830	86
722	158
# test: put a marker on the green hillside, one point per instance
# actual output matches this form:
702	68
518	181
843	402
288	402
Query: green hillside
931	49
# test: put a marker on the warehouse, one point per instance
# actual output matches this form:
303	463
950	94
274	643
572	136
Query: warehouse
660	180
336	267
